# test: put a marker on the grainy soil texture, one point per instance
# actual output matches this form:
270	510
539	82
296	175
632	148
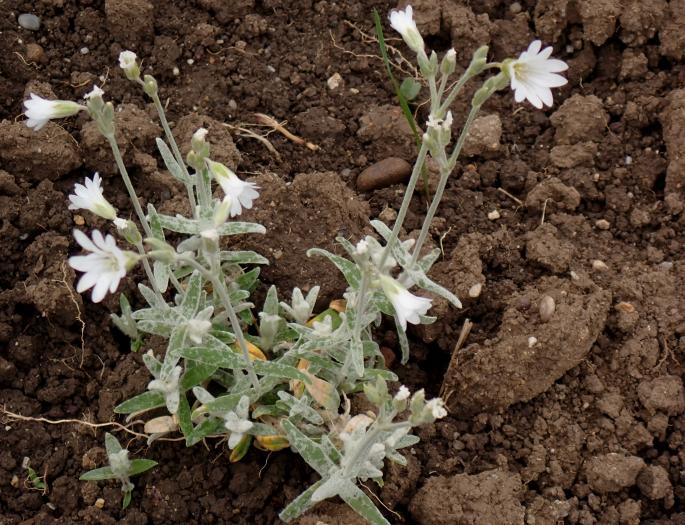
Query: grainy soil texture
563	231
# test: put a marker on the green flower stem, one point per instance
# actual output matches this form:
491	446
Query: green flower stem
148	271
129	186
220	288
446	167
468	74
434	96
177	152
416	173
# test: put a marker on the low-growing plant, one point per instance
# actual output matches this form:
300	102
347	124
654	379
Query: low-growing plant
279	376
120	468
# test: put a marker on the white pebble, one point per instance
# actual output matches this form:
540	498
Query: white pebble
84	50
475	290
546	308
334	81
29	21
494	215
532	341
602	224
599	266
271	69
629	160
190	61
176	71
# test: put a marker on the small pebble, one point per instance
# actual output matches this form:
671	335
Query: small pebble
232	104
334	81
387	172
15	481
84	50
190	61
29	21
176	71
599	266
532	341
602	224
625	307
79	220
99	503
547	307
34	53
494	215
388	215
475	290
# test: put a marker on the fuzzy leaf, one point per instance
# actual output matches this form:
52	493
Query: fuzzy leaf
214	357
138	466
362	504
195	374
98	474
410	88
192	296
347	267
279	370
311	451
237	228
145	401
300	504
242	257
170	162
180	224
209	427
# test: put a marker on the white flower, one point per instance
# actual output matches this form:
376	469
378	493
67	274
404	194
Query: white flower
362	247
169	387
89	197
402	394
40	110
95	92
408	306
127	60
237	422
437	408
242	193
533	73
403	23
104	267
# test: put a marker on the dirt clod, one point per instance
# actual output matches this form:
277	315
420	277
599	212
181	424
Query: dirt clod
488	497
612	472
664	394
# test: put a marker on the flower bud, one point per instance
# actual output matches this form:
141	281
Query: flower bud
150	85
449	63
160	250
479	60
128	230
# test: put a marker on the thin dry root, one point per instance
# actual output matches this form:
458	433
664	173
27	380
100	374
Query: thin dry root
269	121
12	416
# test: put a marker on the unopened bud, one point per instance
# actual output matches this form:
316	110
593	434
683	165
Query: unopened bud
449	63
479	60
128	230
160	250
150	85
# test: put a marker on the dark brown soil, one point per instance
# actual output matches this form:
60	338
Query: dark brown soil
566	400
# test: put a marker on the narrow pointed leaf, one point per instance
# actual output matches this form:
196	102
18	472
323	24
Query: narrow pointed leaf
145	401
311	452
348	268
170	162
237	228
362	504
138	466
300	504
98	474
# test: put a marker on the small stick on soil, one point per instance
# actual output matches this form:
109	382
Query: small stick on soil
463	335
251	134
269	121
544	209
516	200
379	500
